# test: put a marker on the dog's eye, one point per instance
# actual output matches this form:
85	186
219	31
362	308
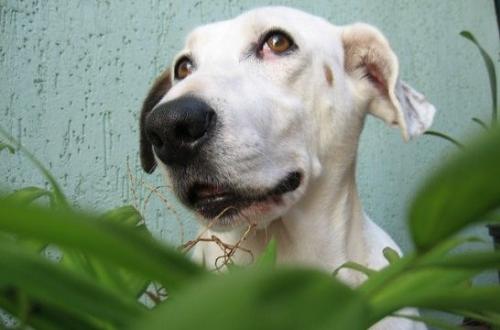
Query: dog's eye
183	68
278	42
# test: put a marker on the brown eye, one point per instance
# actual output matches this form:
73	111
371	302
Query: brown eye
183	68
279	42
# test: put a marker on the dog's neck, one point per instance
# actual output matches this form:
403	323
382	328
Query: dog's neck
320	227
320	230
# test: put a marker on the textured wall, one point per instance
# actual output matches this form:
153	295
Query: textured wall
73	75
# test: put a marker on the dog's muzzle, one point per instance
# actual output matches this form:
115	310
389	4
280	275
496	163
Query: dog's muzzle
179	128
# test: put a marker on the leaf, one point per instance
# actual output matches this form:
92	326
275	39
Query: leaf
480	122
108	241
27	195
415	286
475	299
469	260
59	197
126	215
116	278
460	193
264	300
445	137
490	67
391	255
493	217
108	275
9	148
267	260
65	290
45	317
488	317
354	266
385	276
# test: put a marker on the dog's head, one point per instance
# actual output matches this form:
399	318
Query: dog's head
253	108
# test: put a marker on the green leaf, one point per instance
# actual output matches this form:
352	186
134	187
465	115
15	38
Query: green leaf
9	148
108	275
445	137
385	276
488	317
59	197
108	241
45	317
116	278
27	195
391	255
267	260
126	215
354	266
469	260
490	67
65	290
480	122
493	217
474	299
460	193
264	300
413	287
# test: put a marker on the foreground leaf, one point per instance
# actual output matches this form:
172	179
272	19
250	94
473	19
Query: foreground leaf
108	241
469	260
105	273
264	300
45	317
415	286
27	195
462	192
65	290
267	260
474	299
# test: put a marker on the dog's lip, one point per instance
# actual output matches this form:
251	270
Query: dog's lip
215	200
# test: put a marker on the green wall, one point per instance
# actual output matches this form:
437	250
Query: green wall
74	73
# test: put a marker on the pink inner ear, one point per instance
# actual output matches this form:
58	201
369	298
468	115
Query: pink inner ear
376	77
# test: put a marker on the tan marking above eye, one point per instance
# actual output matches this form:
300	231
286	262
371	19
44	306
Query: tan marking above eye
279	42
328	74
183	68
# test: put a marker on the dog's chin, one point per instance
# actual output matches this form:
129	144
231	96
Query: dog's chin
223	206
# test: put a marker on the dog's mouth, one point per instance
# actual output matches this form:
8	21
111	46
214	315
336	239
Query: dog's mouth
213	201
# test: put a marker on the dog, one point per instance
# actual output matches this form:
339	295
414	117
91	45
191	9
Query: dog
257	122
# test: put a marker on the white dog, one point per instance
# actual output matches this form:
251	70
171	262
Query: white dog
258	122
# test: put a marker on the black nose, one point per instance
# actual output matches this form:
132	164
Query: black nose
177	129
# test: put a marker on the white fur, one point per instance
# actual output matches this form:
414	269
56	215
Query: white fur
280	114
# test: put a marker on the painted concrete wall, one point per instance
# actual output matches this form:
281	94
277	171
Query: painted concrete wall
74	73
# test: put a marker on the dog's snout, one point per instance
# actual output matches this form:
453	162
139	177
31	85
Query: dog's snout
178	128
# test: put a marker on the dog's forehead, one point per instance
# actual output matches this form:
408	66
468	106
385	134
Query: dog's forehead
237	33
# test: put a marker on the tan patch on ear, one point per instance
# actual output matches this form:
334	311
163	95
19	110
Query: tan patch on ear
328	74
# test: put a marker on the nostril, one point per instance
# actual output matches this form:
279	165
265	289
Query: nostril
209	118
194	128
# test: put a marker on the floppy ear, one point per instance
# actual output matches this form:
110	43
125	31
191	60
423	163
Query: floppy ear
156	93
369	59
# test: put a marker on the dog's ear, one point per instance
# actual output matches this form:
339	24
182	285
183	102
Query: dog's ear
156	93
369	59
